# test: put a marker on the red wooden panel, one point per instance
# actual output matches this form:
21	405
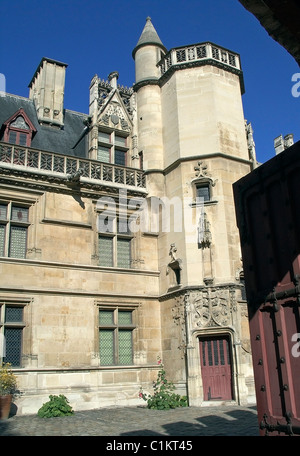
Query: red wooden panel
268	215
216	368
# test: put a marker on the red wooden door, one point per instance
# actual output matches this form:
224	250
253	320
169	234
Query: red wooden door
268	215
216	368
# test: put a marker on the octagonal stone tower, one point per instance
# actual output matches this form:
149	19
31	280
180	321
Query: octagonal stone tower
195	144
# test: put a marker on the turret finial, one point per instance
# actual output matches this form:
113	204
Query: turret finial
149	36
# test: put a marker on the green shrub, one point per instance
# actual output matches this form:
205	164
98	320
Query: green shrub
57	406
163	397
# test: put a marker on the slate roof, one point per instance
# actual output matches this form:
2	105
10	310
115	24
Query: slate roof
47	138
148	36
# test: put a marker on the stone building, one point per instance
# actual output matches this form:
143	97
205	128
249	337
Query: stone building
118	237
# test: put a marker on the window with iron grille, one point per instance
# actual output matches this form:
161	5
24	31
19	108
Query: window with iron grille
114	241
112	148
14	223
11	332
115	336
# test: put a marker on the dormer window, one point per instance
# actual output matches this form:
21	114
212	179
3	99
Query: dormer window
19	129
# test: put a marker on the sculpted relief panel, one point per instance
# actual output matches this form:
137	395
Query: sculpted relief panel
203	308
212	306
207	307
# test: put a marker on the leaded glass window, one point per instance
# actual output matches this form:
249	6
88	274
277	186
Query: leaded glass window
17	137
106	317
2	239
103	137
123	253
203	192
125	346
112	148
17	246
13	314
125	317
3	211
106	251
11	327
120	141
114	241
23	139
120	157
14	222
19	129
19	214
103	154
13	345
106	347
115	337
13	137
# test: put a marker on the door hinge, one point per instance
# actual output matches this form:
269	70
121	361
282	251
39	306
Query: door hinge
287	428
275	296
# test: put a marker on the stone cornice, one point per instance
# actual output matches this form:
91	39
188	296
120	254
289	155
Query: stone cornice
146	82
183	291
60	184
182	66
83	267
88	369
181	160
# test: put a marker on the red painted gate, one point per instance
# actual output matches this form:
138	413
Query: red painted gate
216	368
268	215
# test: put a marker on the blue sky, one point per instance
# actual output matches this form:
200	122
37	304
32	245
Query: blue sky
97	37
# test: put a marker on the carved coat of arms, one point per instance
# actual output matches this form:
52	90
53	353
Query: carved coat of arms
211	307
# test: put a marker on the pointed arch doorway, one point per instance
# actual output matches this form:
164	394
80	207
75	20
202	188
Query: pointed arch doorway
216	367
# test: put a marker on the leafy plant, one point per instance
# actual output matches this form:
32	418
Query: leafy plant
57	406
163	397
8	380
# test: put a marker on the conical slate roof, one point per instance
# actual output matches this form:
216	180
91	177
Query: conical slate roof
148	36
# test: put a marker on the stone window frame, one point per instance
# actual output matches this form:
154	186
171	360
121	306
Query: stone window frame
115	235
202	182
112	146
19	324
203	185
115	327
8	222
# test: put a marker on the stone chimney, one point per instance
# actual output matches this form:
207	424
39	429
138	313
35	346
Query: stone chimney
280	143
288	140
113	79
46	88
